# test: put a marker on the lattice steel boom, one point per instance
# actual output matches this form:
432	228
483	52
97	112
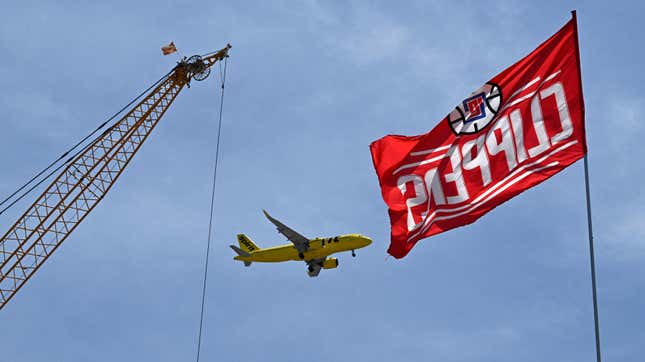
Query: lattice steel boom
87	178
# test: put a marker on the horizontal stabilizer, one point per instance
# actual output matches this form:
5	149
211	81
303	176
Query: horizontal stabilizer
239	251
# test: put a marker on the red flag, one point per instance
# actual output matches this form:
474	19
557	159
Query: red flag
169	49
520	128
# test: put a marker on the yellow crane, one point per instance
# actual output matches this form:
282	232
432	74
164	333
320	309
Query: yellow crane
87	177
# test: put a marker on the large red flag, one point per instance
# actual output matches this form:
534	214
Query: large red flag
515	131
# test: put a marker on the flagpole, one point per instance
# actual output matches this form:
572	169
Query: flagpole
593	262
592	258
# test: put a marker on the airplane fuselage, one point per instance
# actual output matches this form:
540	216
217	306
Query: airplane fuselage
319	248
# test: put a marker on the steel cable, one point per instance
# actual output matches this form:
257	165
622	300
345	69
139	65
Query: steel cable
210	223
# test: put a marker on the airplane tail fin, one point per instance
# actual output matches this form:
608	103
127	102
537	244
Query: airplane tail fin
246	243
241	253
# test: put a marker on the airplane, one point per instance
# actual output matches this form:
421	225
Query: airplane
314	252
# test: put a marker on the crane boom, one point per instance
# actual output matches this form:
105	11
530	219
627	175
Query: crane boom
87	178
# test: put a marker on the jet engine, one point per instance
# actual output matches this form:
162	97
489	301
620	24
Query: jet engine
330	263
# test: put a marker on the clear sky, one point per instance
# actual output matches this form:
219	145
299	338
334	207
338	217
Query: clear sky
310	85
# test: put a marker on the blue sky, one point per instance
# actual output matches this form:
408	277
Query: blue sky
310	85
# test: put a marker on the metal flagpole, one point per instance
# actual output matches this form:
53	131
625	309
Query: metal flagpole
589	225
593	262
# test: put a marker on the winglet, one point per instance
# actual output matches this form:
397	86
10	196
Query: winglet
273	220
267	215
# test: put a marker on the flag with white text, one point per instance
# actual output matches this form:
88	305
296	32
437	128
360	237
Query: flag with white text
515	131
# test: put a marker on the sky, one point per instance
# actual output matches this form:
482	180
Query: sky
309	85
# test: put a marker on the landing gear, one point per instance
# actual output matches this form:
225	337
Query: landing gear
353	253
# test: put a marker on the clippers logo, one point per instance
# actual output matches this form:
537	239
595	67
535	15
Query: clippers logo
476	108
477	111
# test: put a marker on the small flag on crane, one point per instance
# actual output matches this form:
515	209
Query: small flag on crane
169	49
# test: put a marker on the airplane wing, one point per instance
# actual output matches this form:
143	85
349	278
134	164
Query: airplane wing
300	242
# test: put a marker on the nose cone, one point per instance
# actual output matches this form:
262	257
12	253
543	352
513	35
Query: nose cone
365	241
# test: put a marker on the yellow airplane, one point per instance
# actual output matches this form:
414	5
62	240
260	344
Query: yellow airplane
314	252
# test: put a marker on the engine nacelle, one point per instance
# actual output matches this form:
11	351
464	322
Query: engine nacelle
330	263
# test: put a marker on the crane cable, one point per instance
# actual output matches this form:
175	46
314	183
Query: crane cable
53	163
210	222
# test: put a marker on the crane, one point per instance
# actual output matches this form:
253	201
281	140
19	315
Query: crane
87	177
